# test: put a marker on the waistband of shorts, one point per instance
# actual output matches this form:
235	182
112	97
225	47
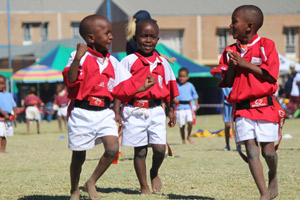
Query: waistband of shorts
184	102
63	105
255	103
84	104
145	103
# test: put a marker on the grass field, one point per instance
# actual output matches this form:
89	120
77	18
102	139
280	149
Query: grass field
36	167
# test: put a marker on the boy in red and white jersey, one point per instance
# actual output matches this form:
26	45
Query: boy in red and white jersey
95	78
144	119
250	67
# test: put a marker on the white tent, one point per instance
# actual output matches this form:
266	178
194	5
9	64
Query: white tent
285	63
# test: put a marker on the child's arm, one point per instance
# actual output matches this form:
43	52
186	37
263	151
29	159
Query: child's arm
172	117
15	112
196	103
5	115
116	109
230	74
149	82
73	71
238	61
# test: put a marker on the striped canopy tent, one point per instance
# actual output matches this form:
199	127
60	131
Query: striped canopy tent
195	70
57	58
38	74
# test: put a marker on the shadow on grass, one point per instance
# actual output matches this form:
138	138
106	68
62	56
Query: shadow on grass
44	197
116	190
288	149
179	196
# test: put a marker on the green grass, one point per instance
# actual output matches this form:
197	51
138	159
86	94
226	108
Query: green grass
36	167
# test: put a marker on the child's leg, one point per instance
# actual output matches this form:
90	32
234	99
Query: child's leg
78	158
111	147
227	133
1	150
270	155
28	125
182	134
256	168
38	126
3	145
190	126
59	119
157	159
140	154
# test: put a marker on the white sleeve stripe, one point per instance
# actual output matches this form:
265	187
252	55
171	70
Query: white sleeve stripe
264	53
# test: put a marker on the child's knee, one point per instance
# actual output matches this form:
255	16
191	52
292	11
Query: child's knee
159	150
269	155
140	152
111	151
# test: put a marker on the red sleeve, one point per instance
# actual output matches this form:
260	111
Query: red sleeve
270	58
66	80
173	89
125	90
223	64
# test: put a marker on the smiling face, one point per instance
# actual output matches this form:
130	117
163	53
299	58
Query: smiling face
147	36
101	35
239	27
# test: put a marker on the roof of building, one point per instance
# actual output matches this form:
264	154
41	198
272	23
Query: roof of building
155	7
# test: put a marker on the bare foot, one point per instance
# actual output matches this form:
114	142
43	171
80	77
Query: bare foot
75	195
145	191
183	142
155	181
91	190
265	197
190	140
273	186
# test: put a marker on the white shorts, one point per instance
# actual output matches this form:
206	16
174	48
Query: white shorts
62	111
183	116
87	127
33	113
6	128
143	126
262	130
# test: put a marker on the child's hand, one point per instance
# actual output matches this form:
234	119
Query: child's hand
149	82
172	118
118	118
175	101
6	116
81	50
236	59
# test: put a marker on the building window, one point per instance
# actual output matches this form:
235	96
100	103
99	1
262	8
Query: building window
44	31
75	29
290	41
172	39
223	34
27	33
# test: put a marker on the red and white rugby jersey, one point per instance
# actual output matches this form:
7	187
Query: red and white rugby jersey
100	76
261	52
165	87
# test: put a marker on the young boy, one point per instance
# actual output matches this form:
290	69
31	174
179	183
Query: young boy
143	116
32	112
184	110
8	112
60	104
94	78
251	68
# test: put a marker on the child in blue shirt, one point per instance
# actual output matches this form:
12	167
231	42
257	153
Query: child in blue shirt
8	110
185	114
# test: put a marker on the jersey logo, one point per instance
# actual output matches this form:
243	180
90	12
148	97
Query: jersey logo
256	61
101	84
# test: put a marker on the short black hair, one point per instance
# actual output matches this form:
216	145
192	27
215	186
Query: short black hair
151	21
253	14
1	76
183	69
87	23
